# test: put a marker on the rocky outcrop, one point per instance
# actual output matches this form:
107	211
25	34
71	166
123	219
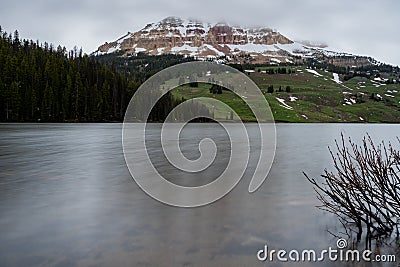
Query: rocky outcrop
233	43
175	35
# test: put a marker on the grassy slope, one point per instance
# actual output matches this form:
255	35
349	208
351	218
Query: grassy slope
320	99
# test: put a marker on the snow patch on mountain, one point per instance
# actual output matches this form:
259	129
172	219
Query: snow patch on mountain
313	72
191	37
283	104
336	78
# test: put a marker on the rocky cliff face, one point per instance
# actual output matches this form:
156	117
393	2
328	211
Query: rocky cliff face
203	40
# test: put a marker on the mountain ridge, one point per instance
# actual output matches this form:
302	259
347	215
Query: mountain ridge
234	44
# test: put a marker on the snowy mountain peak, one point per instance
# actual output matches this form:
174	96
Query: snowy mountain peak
191	37
172	20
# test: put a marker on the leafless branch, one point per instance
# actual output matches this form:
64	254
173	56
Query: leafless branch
364	189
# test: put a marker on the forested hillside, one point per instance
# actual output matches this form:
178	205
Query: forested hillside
141	66
41	83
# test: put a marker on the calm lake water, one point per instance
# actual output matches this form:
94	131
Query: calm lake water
67	199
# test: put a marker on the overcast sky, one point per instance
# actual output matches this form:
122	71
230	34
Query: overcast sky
363	27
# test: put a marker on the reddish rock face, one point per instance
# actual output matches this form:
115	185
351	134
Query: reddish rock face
174	32
235	43
222	34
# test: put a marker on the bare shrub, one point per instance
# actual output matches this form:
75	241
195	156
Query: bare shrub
364	189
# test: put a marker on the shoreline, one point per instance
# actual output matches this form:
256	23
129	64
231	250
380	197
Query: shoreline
159	122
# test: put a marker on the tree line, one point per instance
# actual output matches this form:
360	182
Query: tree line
41	83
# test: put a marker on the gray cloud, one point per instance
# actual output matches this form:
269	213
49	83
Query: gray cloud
363	27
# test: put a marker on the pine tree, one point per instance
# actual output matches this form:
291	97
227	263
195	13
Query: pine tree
47	103
12	100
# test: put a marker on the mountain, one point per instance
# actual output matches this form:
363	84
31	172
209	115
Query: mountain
221	41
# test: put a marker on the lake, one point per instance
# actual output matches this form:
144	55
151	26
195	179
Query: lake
67	199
